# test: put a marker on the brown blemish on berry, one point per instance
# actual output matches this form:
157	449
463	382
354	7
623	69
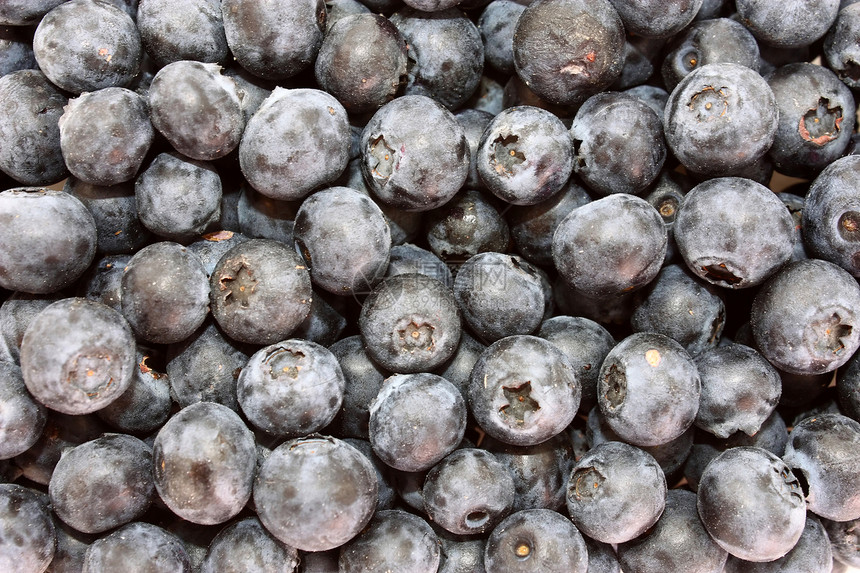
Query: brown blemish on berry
218	236
821	124
652	357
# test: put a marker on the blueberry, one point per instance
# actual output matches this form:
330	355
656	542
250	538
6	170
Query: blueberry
525	155
172	31
203	460
536	540
138	545
409	258
523	390
840	45
474	121
22	418
568	50
260	291
793	25
394	540
465	226
468	492
460	555
245	546
16	49
458	370
210	247
103	484
291	388
387	497
315	493
27	537
648	389
198	109
114	211
364	378
295	142
752	504
616	492
610	246
77	356
843	537
145	405
26	12
734	232
803	318
416	420
410	323
812	552
497	24
16	313
86	45
261	217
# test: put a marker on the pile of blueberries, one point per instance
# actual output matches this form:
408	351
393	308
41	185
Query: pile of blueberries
412	286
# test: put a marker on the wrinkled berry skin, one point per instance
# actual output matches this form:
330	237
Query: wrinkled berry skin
648	389
246	547
524	156
804	319
733	232
536	540
315	493
260	291
86	45
291	388
610	246
831	214
402	166
103	484
394	540
616	492
27	532
523	390
567	50
823	449
410	323
751	504
204	461
275	41
296	141
77	356
720	118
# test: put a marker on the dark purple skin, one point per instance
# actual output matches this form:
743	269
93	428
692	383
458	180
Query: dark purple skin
394	540
291	388
496	24
204	463
26	530
25	12
523	390
87	45
656	18
677	542
733	232
751	504
841	50
338	9
364	378
847	387
174	31
261	217
387	497
71	549
61	243
114	210
145	405
618	144
16	313
815	118
178	198
77	356
536	540
465	226
712	41
611	246
315	493
297	141
402	166
260	291
458	369
473	121
468	492
831	213
410	323
800	25
103	484
16	49
274	42
205	367
362	80
416	420
409	258
804	318
720	118
210	247
616	492
197	108
324	324
811	553
246	547
138	545
568	50
844	537
22	418
460	555
344	240
165	293
823	450
648	389
445	53
740	390
525	155
654	97
29	159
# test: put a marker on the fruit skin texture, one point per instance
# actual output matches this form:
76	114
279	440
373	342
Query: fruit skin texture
137	546
394	541
804	319
26	530
751	504
246	547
